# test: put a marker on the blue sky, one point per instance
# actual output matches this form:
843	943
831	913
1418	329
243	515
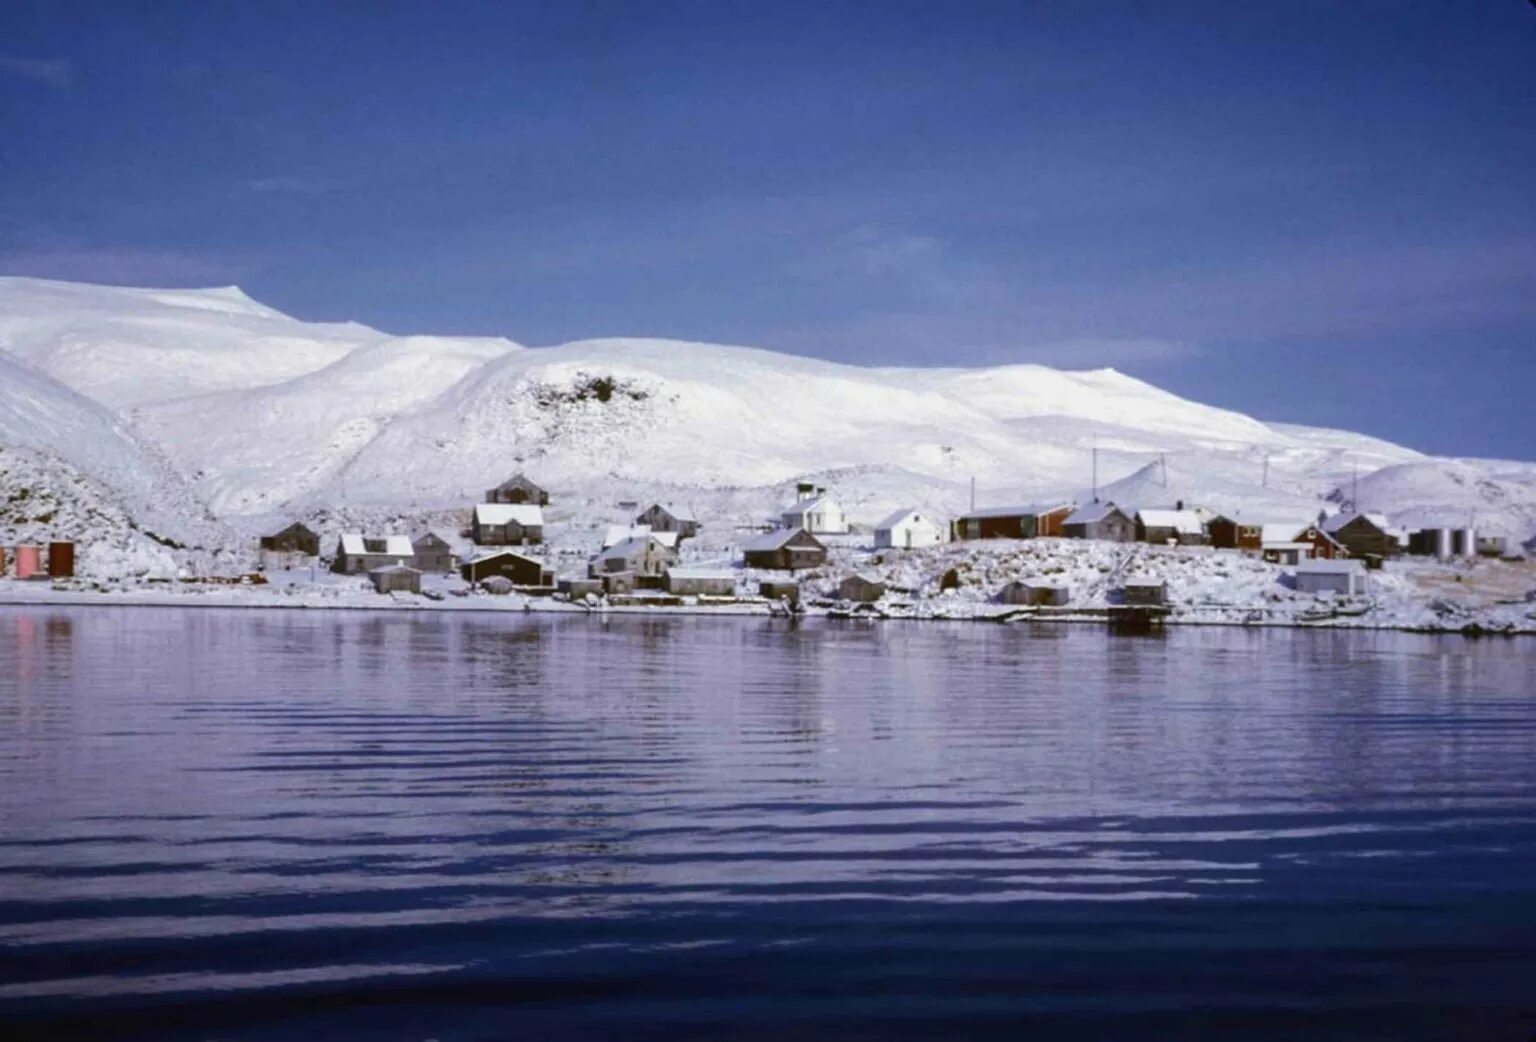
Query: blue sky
1313	212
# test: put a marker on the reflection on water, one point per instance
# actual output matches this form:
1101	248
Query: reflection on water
247	824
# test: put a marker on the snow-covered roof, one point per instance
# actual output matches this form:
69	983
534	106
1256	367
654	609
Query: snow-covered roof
1281	531
1143	583
903	516
616	534
633	545
1324	566
491	555
356	544
676	513
1339	520
1281	544
394	569
518	480
423	537
773	540
800	507
1028	510
701	573
525	514
1090	513
1184	522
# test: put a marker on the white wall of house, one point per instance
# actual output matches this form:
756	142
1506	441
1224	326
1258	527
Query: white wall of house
910	533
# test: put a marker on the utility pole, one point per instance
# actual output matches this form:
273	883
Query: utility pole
973	493
1095	473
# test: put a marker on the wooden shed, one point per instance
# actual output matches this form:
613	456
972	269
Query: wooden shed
1039	594
695	582
1102	521
518	489
784	548
669	518
1366	536
860	589
1145	592
395	578
507	524
521	570
61	560
295	539
433	554
1228	533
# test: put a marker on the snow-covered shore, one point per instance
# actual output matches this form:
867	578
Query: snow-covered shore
954	582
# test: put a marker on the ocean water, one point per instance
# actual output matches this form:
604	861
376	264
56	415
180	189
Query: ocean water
230	824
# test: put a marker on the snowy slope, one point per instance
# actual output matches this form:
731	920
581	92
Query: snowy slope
262	415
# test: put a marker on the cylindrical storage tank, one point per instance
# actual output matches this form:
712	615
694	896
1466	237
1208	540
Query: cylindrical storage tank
61	560
1443	546
29	561
1468	542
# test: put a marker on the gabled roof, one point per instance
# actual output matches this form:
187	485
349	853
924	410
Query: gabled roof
1184	522
353	545
902	517
519	480
629	547
801	507
616	534
675	513
1028	510
493	554
394	569
1339	520
1282	531
1092	513
525	514
428	538
297	526
776	540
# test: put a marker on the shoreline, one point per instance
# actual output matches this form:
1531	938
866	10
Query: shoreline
250	599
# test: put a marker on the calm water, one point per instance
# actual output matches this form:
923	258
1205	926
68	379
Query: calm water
243	825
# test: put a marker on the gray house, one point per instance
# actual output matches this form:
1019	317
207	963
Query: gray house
860	589
518	489
1145	592
433	554
1342	577
1103	521
394	578
642	555
670	519
507	524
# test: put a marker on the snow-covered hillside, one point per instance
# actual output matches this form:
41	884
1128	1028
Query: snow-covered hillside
204	399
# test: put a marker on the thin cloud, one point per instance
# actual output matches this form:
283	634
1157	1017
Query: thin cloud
294	184
58	73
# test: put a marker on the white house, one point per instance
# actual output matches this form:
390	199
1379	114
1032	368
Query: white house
356	552
616	534
907	529
816	512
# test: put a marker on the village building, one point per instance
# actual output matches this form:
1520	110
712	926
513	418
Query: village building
907	529
1015	522
1037	594
1228	533
357	553
519	568
507	524
786	549
579	588
860	589
518	489
1144	592
1366	536
814	511
641	556
779	590
1102	521
669	519
616	534
1341	577
1169	527
433	554
701	582
295	539
395	578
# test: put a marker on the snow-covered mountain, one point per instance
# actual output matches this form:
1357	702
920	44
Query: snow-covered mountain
205	401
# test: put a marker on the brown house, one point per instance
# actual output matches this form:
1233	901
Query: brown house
521	570
784	548
295	539
1024	522
1228	533
518	489
1366	536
